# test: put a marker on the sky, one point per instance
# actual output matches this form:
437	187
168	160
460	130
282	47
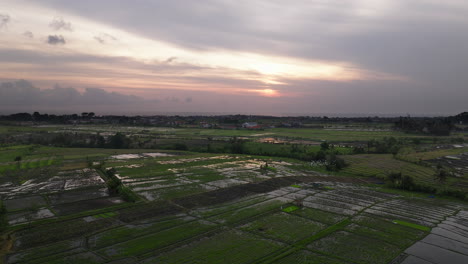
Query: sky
270	57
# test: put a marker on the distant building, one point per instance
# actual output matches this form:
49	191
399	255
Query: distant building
205	125
250	125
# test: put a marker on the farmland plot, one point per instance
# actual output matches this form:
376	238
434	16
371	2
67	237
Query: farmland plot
202	208
62	181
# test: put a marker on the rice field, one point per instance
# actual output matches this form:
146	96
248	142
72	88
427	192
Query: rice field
381	165
213	208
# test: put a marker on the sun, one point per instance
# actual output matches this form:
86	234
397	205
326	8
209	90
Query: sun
269	92
266	92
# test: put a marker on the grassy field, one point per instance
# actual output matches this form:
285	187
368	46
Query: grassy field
296	133
328	134
380	165
428	155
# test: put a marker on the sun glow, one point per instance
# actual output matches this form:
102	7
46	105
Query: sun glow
270	92
266	92
125	59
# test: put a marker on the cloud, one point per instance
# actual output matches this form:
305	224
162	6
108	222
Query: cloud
99	39
70	67
59	24
28	34
56	40
4	20
188	99
19	94
104	38
170	59
423	41
419	39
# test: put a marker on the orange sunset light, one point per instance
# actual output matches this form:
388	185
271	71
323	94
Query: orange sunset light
266	92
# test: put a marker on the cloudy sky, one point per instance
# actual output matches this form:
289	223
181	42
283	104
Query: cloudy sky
235	56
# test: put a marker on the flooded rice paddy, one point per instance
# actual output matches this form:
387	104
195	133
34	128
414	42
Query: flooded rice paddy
227	209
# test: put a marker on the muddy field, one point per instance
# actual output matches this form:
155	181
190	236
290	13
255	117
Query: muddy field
65	192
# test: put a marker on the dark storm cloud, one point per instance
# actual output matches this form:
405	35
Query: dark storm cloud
4	20
22	93
56	40
59	24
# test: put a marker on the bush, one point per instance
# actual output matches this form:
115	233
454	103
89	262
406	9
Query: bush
237	146
320	155
180	146
407	183
3	217
399	181
335	163
394	178
324	146
358	150
455	193
127	194
115	186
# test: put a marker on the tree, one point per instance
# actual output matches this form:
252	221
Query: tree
441	175
180	146
100	141
3	216
237	146
320	155
407	183
118	141
324	146
335	163
358	150
36	116
395	178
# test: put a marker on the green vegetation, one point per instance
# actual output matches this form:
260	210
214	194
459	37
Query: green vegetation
290	208
247	212
284	227
156	240
106	215
412	225
3	217
413	156
125	233
308	257
115	186
277	195
226	247
355	248
405	175
319	215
